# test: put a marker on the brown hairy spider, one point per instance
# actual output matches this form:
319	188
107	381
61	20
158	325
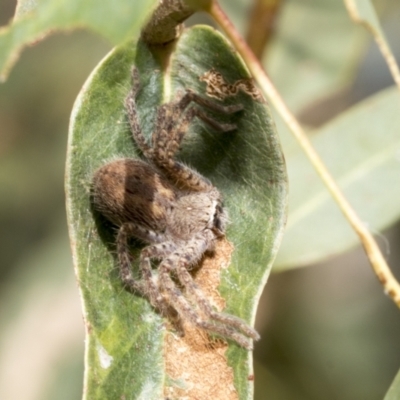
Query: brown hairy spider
171	207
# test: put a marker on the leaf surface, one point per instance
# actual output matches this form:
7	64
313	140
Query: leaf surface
394	390
124	355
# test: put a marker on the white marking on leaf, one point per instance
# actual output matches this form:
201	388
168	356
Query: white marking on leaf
105	359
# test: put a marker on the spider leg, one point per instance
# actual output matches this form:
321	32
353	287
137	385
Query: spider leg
165	145
186	311
204	102
159	250
183	175
168	136
171	139
189	97
146	287
130	105
186	259
152	289
197	294
173	121
125	259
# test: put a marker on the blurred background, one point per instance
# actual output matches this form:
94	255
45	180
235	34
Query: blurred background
328	330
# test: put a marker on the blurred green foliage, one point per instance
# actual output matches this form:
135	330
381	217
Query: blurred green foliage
35	263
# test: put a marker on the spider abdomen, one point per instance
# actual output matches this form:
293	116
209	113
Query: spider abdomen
128	190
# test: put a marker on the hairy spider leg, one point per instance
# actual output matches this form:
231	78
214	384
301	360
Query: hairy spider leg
168	135
197	294
168	114
166	144
174	118
188	257
158	250
146	287
163	157
186	312
130	104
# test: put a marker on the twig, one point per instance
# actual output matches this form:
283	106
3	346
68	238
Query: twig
261	25
371	23
166	22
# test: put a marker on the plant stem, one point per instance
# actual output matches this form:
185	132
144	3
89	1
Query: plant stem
261	25
379	265
371	23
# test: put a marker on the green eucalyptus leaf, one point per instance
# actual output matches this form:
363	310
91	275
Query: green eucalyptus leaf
125	337
394	390
116	21
361	148
365	13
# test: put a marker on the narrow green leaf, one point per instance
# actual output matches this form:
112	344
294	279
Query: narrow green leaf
124	355
361	148
363	12
394	390
116	21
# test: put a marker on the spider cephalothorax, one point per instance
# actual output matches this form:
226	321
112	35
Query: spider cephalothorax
171	207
